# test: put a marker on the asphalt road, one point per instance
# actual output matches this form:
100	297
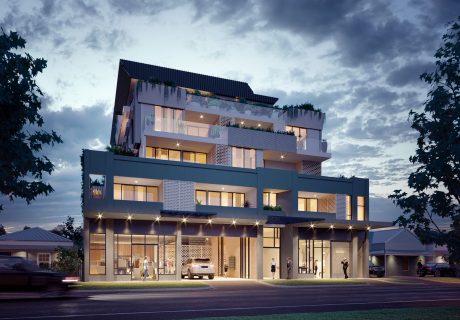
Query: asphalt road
231	298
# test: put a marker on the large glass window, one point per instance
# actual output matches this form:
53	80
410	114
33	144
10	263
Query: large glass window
135	192
122	253
97	253
361	209
243	158
271	238
307	204
270	199
298	132
175	155
314	257
218	198
167	252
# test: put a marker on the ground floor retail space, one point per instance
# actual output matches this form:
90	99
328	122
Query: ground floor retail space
150	251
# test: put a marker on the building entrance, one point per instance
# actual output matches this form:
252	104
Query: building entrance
144	255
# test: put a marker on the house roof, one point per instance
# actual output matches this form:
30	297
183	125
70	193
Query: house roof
384	235
395	241
33	234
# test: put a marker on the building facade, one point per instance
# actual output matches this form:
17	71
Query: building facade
202	167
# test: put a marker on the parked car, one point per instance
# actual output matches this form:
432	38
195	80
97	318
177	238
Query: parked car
376	270
437	270
18	274
198	267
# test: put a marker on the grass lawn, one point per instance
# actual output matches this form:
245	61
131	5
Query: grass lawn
379	314
315	282
443	279
138	285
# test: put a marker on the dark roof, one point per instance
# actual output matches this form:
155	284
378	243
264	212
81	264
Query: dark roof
33	234
289	220
219	86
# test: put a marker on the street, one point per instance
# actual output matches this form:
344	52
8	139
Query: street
233	298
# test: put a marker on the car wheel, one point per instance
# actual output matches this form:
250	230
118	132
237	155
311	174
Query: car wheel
182	276
190	275
211	276
437	273
200	277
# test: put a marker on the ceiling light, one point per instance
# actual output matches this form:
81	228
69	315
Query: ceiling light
130	217
242	122
258	124
332	226
99	216
257	223
184	220
209	220
135	181
234	222
201	116
312	225
178	144
282	156
368	228
157	218
223	188
350	227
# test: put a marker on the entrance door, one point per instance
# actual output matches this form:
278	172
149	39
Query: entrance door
139	252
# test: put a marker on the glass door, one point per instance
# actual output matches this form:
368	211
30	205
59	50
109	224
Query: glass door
140	252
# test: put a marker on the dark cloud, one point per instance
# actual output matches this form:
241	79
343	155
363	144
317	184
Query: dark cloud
142	7
101	39
409	73
383	209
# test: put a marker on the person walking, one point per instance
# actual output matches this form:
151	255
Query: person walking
289	268
145	268
345	267
273	268
419	267
315	267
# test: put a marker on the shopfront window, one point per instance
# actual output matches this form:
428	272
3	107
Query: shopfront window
314	258
122	254
167	251
96	253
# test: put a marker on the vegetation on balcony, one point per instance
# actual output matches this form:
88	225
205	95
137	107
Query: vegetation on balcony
236	125
120	151
272	208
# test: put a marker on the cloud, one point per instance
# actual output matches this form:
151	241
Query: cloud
409	73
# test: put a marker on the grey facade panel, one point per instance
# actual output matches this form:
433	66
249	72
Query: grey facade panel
261	140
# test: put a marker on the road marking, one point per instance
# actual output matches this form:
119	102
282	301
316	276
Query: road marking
223	309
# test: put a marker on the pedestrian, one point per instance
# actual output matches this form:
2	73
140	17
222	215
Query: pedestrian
315	267
145	269
273	267
225	270
345	267
419	267
289	268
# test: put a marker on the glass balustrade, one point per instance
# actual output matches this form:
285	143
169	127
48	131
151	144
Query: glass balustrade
184	127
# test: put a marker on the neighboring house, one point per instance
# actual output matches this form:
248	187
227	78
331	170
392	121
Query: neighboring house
216	172
34	244
398	250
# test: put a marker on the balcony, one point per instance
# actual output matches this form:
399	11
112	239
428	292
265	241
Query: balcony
187	129
313	146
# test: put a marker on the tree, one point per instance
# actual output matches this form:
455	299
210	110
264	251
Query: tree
22	138
26	227
436	179
2	230
68	261
69	231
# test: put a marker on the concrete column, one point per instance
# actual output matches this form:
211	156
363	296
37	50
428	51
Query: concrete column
178	251
86	249
354	255
109	250
295	253
366	256
260	253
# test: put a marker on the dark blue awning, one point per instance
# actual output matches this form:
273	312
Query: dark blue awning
279	220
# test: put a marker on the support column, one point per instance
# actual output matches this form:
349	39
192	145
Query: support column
285	249
86	249
109	250
354	255
366	256
178	252
260	253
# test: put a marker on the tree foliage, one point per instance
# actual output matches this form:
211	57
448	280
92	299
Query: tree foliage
436	179
70	231
68	261
22	138
2	230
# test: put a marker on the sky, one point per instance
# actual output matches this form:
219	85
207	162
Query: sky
358	61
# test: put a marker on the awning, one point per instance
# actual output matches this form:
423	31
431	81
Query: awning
187	214
283	220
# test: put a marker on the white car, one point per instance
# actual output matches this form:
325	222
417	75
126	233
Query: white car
198	267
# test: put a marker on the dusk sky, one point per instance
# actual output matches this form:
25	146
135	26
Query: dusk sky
358	61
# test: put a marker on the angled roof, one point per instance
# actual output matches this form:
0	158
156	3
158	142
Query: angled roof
384	235
33	234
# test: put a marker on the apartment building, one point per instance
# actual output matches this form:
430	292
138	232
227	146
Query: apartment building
202	167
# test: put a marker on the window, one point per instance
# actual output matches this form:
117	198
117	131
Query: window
200	197
175	155
348	207
271	238
217	198
308	204
135	192
97	185
314	257
122	253
167	252
298	132
243	158
361	209
213	198
97	253
44	260
269	199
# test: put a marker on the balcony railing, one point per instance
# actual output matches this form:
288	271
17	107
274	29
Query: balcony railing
313	145
189	128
